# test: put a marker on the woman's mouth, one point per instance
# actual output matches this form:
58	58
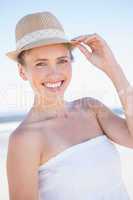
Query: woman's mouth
54	86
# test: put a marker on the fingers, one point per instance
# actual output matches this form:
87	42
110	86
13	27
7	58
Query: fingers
84	37
87	39
84	50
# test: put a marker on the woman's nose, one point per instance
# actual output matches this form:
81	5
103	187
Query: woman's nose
54	67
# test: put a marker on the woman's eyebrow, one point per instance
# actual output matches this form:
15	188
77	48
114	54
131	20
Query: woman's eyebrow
44	59
62	57
41	59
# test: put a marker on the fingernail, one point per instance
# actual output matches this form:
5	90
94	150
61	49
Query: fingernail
73	40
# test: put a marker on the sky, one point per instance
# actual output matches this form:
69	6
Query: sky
110	19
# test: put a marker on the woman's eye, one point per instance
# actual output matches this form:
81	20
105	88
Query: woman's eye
41	64
63	61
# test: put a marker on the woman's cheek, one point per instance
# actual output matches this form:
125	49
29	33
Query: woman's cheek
35	84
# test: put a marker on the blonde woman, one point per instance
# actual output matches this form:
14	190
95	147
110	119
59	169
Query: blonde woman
64	150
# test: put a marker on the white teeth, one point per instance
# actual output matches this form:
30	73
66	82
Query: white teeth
53	85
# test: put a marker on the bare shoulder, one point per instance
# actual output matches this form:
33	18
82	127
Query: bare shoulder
23	160
88	103
94	104
25	138
80	102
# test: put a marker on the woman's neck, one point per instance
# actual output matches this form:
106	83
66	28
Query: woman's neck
49	108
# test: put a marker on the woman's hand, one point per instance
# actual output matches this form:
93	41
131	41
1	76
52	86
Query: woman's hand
100	55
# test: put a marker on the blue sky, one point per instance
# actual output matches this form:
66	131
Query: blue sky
111	19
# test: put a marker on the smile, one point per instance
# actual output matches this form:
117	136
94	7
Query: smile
54	86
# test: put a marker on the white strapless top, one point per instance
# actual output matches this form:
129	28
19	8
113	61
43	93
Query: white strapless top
90	170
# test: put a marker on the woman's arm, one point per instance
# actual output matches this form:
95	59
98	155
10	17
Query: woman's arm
125	93
114	126
102	57
23	159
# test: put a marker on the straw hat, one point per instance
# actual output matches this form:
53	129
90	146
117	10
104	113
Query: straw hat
35	30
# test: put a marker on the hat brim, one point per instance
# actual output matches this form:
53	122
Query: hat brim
14	54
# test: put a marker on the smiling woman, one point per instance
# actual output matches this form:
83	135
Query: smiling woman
43	67
63	150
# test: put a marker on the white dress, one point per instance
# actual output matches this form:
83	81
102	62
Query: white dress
90	170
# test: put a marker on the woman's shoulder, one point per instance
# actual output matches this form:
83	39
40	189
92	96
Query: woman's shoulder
85	103
23	159
24	137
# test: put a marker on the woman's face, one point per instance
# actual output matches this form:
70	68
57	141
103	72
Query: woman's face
45	66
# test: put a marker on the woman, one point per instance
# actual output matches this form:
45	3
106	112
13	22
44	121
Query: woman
64	150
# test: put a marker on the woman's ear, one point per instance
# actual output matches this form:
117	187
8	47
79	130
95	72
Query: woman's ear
22	72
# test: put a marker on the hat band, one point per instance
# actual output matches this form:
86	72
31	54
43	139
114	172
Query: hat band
38	35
